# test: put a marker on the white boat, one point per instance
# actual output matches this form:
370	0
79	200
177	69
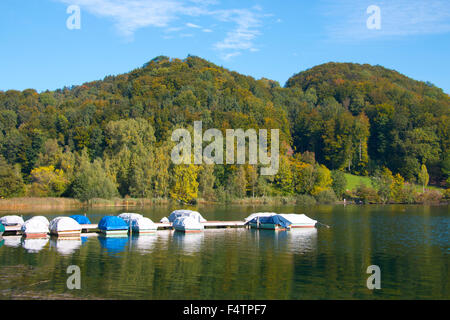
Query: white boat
299	220
164	220
35	228
260	215
41	219
143	225
186	213
11	221
187	225
129	216
65	227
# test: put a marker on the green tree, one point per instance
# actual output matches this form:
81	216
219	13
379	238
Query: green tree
11	182
423	177
383	181
339	183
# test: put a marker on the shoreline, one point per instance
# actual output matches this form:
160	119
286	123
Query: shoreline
43	204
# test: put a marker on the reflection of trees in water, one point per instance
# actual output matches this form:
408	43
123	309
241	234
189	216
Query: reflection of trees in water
34	245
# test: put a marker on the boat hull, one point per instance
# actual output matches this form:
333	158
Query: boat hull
188	230
303	226
114	233
267	226
144	231
35	235
68	233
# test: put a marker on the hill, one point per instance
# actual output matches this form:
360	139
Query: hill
357	118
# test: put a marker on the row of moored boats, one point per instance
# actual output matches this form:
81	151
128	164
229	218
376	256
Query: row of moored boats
181	220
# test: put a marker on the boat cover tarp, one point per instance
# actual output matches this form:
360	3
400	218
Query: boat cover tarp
128	216
142	224
259	214
187	223
276	219
81	219
298	219
112	223
11	220
186	213
34	226
164	220
2	229
42	219
64	224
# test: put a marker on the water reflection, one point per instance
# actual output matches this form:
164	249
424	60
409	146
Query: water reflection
113	245
144	243
34	245
13	241
188	242
2	242
302	240
65	246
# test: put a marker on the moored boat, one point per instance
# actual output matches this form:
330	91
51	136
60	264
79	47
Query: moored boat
112	226
35	228
2	229
186	213
275	222
259	214
81	219
65	227
299	220
187	225
142	226
8	221
127	217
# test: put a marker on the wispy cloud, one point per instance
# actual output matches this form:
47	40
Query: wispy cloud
129	16
242	37
347	19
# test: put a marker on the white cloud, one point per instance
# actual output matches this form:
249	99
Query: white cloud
129	16
242	37
191	25
398	18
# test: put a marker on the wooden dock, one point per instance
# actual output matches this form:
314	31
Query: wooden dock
89	228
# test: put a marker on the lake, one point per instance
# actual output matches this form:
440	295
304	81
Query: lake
410	244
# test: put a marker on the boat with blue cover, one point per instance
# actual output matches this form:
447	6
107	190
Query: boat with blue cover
275	222
113	226
81	219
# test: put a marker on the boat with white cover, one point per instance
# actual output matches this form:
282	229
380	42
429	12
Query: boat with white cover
188	225
65	227
299	220
8	221
129	216
35	228
142	225
186	213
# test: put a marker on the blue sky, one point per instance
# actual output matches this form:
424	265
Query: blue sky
261	38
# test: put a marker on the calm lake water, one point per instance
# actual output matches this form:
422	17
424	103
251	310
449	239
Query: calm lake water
410	244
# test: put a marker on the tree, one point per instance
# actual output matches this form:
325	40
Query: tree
339	183
423	177
206	182
11	182
185	185
383	181
91	180
48	182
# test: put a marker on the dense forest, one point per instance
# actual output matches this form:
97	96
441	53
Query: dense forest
112	138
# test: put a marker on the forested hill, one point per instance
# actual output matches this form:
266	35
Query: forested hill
358	118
